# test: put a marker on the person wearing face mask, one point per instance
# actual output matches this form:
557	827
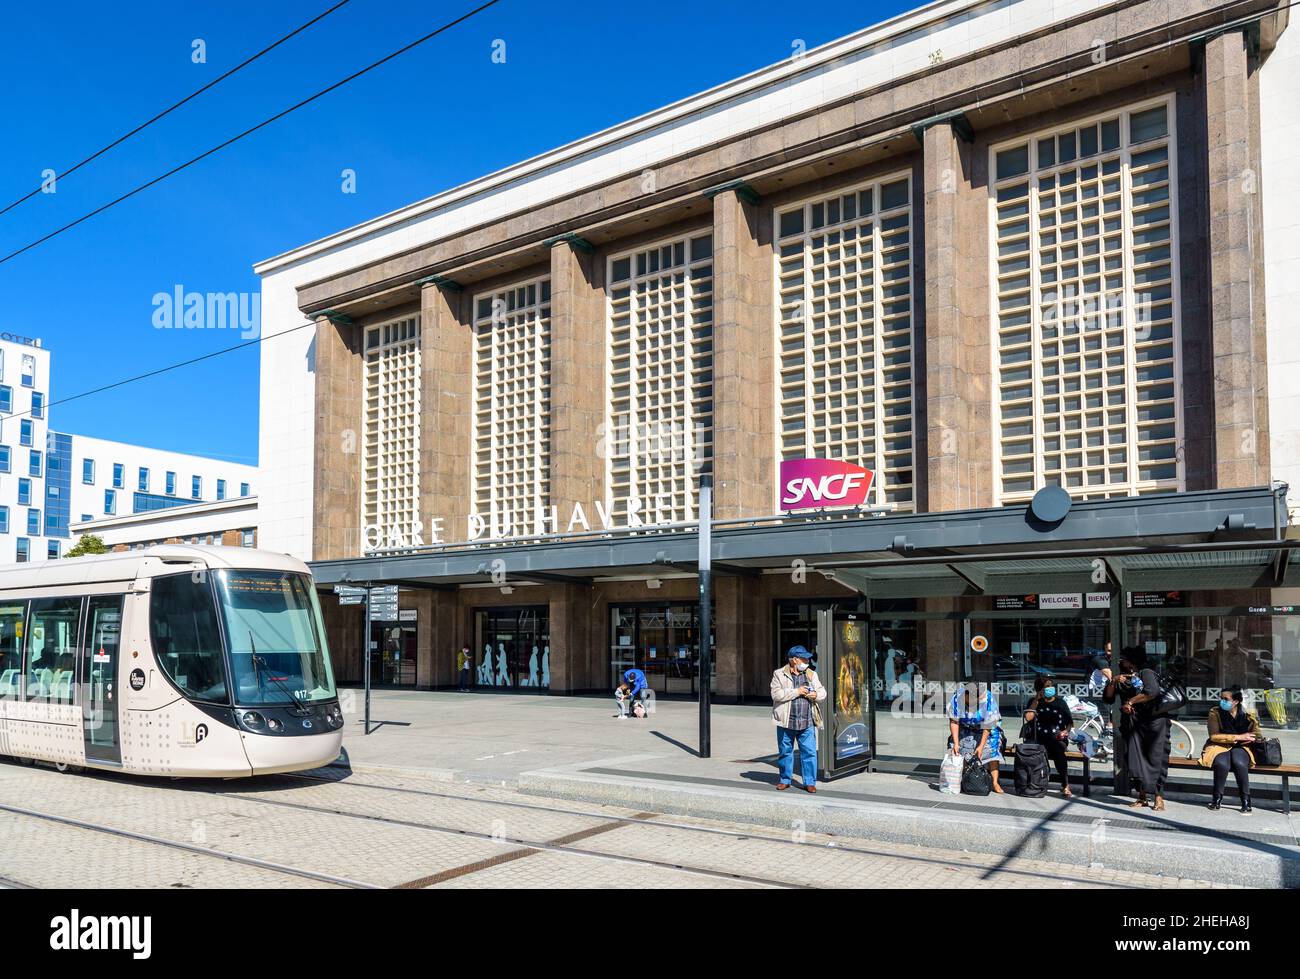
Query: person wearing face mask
1231	730
796	691
1050	720
1144	737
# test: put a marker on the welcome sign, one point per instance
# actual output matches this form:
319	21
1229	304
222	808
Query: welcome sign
812	483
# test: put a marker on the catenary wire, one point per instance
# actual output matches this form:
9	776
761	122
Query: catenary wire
176	105
252	129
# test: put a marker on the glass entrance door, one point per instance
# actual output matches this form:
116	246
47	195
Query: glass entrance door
99	706
513	647
660	640
392	654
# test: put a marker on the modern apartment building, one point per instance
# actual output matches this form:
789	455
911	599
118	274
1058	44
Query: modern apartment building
1019	274
55	486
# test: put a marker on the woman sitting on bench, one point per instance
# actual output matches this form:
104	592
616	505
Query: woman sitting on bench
1232	729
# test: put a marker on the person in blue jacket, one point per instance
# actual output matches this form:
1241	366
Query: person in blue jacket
632	688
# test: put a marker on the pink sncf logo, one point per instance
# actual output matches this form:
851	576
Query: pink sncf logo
807	483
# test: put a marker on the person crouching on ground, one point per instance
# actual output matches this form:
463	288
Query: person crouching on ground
634	686
796	691
1231	729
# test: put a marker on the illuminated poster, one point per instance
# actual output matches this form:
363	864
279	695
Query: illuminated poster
850	728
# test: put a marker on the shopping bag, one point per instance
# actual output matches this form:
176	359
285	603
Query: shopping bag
950	772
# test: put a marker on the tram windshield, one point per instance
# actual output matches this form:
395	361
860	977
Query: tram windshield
276	638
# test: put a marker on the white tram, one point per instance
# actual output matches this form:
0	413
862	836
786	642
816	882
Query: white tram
175	660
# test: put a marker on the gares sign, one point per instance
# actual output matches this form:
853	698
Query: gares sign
808	483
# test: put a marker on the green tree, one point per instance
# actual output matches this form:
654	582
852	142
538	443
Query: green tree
87	544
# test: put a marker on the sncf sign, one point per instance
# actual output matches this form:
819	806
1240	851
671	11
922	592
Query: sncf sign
807	483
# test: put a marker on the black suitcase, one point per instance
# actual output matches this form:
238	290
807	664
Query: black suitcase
1031	772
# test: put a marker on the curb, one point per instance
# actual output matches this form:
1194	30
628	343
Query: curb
1168	853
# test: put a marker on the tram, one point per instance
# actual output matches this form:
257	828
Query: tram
174	660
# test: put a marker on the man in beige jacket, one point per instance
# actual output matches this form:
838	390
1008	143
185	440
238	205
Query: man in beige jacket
796	692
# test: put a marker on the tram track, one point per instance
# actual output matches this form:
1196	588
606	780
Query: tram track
188	848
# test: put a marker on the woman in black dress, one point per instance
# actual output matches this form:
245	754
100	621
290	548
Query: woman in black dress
1049	718
1144	738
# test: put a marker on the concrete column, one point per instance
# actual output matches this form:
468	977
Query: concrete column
446	411
426	649
955	416
577	379
570	638
336	500
1241	444
744	390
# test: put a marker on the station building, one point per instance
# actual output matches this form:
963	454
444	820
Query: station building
1030	265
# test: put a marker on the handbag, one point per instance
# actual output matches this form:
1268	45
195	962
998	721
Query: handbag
1172	696
950	774
975	778
1267	752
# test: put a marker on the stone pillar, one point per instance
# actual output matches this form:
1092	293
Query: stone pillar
336	503
744	452
446	411
569	638
1236	267
957	419
577	379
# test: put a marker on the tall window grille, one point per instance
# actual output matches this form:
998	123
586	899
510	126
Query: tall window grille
660	350
1085	302
844	297
512	400
391	444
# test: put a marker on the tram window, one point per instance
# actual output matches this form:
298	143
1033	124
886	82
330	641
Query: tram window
52	649
11	647
186	642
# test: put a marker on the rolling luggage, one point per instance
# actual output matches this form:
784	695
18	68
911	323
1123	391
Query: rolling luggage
1031	772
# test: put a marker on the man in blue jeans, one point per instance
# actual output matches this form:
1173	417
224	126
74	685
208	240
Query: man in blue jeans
796	692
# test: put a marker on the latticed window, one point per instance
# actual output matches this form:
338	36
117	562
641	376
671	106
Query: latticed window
390	497
1087	330
660	420
844	293
512	392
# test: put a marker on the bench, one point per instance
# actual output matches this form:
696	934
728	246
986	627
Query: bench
1010	752
1284	772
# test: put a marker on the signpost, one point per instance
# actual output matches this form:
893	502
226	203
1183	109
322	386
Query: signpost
706	609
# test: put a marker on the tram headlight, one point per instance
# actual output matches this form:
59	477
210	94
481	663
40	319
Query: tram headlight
253	720
335	716
273	724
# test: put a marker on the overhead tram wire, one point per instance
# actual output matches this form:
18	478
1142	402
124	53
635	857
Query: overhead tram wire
176	105
252	129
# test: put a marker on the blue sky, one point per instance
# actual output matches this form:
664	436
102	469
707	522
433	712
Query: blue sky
79	75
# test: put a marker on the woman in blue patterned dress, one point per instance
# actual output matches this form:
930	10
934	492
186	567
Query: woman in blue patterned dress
974	724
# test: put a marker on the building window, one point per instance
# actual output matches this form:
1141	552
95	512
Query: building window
143	484
86	518
25	431
4	520
512	389
1087	326
845	303
29	371
196	487
119	475
6	398
34	521
34	462
390	492
171	484
110	501
52	550
243	489
24	550
660	372
88	471
221	489
5	464
247	538
24	491
38	405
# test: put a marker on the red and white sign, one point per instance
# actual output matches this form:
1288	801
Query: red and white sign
817	483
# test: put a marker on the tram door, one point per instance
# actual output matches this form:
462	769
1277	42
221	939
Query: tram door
100	693
846	738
